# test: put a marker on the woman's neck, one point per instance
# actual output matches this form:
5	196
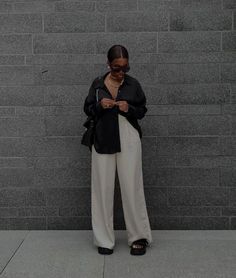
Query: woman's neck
113	79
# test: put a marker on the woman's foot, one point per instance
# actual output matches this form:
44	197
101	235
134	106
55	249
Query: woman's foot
104	251
138	247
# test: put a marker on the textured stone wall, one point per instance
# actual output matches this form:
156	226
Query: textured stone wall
183	52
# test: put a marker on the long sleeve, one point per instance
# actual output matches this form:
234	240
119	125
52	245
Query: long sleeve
92	107
139	110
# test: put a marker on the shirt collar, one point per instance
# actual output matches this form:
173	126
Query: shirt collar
100	81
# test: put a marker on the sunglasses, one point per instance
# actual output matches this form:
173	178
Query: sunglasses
118	69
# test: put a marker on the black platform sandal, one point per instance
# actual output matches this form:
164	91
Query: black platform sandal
104	251
138	247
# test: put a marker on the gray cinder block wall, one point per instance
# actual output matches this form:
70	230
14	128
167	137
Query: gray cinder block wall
184	54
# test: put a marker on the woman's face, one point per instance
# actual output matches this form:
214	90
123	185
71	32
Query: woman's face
116	63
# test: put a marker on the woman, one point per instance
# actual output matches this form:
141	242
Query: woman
117	101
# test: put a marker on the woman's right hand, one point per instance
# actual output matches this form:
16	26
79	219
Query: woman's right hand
107	103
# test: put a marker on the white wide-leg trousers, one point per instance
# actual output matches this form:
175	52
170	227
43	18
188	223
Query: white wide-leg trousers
129	169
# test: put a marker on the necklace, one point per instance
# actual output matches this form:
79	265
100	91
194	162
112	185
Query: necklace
112	83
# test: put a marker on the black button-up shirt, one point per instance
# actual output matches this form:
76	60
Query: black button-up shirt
107	139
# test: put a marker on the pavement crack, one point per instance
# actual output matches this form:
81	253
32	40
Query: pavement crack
14	253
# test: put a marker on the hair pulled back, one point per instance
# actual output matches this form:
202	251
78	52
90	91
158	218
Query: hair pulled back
117	51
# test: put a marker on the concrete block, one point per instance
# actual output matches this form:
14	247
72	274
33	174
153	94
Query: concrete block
234	124
21	23
29	111
22	126
64	125
155	94
232	198
229	41
187	145
78	210
67	196
228	73
193	20
16	177
68	223
21	95
229	211
137	21
41	146
212	196
229	109
186	177
12	197
72	111
65	95
15	162
35	197
34	7
229	4
62	59
156	5
227	177
116	5
183	109
185	211
227	145
63	74
63	43
188	41
15	44
210	161
60	162
233	93
12	60
154	125
8	212
198	93
201	4
6	7
186	73
27	223
38	211
17	75
7	111
193	57
199	125
76	6
51	177
80	22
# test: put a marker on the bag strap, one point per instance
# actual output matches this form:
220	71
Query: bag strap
97	90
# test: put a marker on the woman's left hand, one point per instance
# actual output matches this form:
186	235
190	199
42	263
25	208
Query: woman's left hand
123	105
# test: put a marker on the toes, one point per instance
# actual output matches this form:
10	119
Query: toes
137	246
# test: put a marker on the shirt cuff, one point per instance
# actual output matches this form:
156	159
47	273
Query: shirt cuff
131	109
128	109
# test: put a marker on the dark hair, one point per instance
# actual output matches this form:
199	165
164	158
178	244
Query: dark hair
117	51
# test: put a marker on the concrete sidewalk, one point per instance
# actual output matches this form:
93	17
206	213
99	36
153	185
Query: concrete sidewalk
71	254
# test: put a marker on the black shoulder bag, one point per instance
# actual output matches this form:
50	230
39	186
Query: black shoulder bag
89	124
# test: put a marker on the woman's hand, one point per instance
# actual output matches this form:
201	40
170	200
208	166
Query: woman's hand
123	105
107	103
